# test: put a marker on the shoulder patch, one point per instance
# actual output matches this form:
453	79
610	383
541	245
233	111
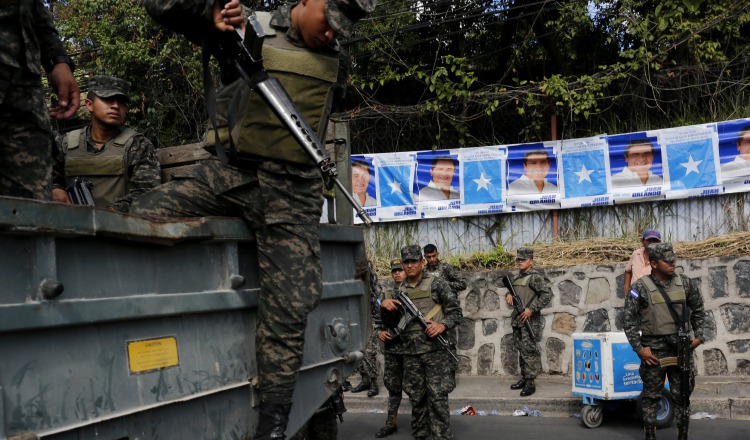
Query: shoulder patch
634	294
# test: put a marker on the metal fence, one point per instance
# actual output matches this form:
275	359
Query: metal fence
678	220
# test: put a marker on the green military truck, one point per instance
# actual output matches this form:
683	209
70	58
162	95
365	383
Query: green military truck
118	328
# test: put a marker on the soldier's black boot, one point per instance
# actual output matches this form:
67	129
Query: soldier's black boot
373	391
529	388
518	385
364	385
682	432
650	431
272	421
390	426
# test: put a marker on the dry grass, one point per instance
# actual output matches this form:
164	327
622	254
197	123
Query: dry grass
587	252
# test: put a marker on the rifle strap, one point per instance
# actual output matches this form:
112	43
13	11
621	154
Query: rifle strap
679	320
433	311
210	98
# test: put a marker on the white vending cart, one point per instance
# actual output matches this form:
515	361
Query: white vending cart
605	368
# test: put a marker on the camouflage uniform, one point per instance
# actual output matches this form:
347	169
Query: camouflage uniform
393	372
449	273
429	371
529	354
368	366
29	40
637	303
140	165
280	200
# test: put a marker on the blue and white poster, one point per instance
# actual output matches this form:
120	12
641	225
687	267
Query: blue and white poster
532	176
394	179
636	167
585	172
483	177
363	185
437	184
734	153
691	158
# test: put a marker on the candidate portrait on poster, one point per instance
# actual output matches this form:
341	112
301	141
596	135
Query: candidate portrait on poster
535	175
638	162
437	178
735	151
363	185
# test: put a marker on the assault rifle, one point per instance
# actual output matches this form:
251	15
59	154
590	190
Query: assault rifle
245	49
517	304
80	192
411	312
336	401
684	356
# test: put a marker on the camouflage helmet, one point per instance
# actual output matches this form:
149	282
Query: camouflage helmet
342	15
661	251
411	252
107	86
396	265
524	253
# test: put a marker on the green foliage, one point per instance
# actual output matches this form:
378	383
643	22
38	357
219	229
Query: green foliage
496	259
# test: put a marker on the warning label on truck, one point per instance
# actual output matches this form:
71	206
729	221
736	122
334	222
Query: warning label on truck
149	355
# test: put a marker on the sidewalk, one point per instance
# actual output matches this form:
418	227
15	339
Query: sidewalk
726	397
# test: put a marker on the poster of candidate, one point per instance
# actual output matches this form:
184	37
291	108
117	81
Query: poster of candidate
585	172
532	176
437	184
691	159
636	167
482	172
394	180
734	154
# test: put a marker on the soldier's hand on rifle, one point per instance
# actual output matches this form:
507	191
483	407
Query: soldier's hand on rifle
60	195
385	336
695	342
434	328
648	357
526	315
509	299
227	16
390	304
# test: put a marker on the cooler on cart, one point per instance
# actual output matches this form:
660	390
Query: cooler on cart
605	370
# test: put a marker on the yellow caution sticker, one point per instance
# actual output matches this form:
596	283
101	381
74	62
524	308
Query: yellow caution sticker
149	355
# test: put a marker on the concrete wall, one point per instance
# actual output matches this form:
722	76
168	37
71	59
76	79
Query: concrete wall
590	299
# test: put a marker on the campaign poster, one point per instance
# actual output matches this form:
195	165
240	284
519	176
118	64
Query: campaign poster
636	166
734	155
394	180
584	172
363	185
532	176
482	172
437	184
691	157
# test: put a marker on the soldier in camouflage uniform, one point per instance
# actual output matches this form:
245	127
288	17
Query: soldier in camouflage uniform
272	183
29	41
652	332
120	163
429	370
444	270
368	366
534	289
394	359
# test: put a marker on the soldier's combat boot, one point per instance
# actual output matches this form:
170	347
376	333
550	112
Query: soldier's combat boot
682	432
272	421
650	431
390	426
518	385
373	391
529	388
364	385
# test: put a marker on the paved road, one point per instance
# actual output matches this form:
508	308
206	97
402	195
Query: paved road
358	426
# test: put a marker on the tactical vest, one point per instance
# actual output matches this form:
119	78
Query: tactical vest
656	319
521	286
308	77
421	296
106	170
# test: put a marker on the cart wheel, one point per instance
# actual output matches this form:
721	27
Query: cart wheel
592	416
665	411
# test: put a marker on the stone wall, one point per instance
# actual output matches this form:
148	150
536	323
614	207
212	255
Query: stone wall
590	299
